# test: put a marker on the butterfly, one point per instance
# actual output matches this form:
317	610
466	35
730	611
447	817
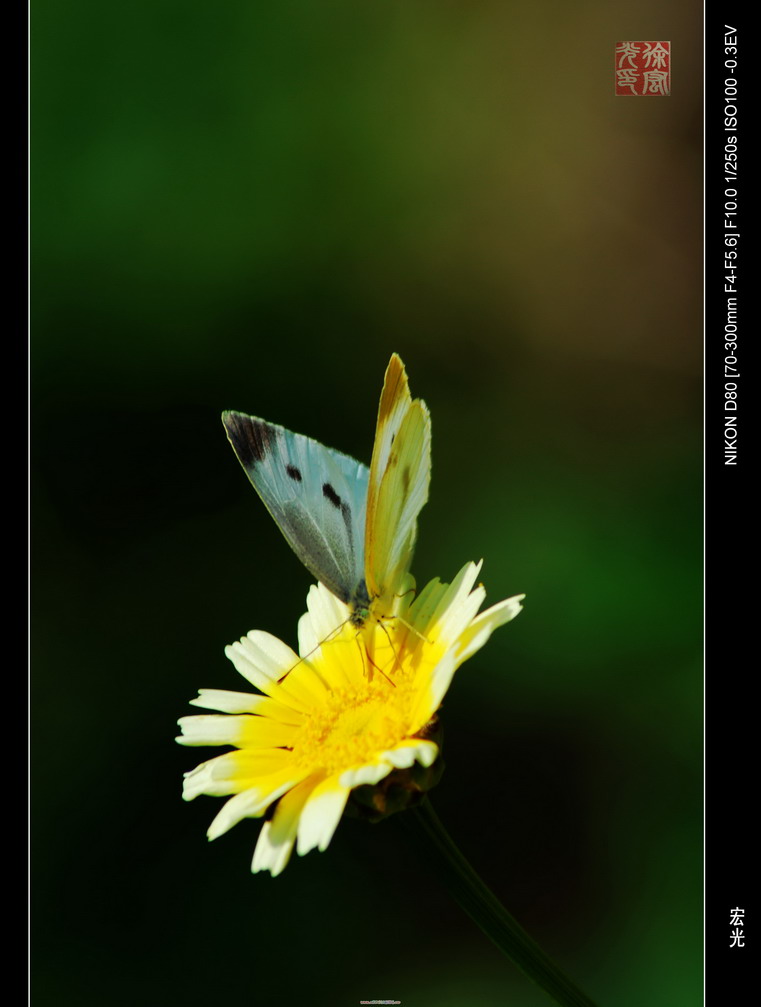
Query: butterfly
352	527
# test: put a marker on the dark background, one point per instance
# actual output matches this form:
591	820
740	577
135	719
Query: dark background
251	206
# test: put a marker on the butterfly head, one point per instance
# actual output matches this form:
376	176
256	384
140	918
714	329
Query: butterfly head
360	604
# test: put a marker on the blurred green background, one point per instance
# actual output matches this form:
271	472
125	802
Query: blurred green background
250	206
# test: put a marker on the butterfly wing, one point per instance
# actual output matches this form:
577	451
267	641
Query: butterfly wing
400	473
317	497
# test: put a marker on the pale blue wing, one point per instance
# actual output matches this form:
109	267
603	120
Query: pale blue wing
317	496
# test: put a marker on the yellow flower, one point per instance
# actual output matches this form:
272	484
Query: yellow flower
349	711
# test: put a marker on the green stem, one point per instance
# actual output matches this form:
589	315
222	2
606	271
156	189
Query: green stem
484	908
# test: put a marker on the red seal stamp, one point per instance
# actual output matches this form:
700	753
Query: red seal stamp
643	68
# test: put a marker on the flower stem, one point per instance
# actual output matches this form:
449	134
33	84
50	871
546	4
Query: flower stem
466	887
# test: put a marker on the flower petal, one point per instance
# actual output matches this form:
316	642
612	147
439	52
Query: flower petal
416	750
261	658
211	729
247	730
371	774
276	840
430	694
326	612
254	802
245	702
233	772
321	815
479	631
267	663
458	591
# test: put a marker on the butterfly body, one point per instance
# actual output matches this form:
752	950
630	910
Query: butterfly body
352	527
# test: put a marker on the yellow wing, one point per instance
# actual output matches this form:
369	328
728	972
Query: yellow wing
400	472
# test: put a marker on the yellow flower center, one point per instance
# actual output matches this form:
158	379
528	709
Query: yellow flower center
355	723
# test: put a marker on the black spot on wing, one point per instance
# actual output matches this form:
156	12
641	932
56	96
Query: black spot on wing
293	472
330	494
406	479
252	439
